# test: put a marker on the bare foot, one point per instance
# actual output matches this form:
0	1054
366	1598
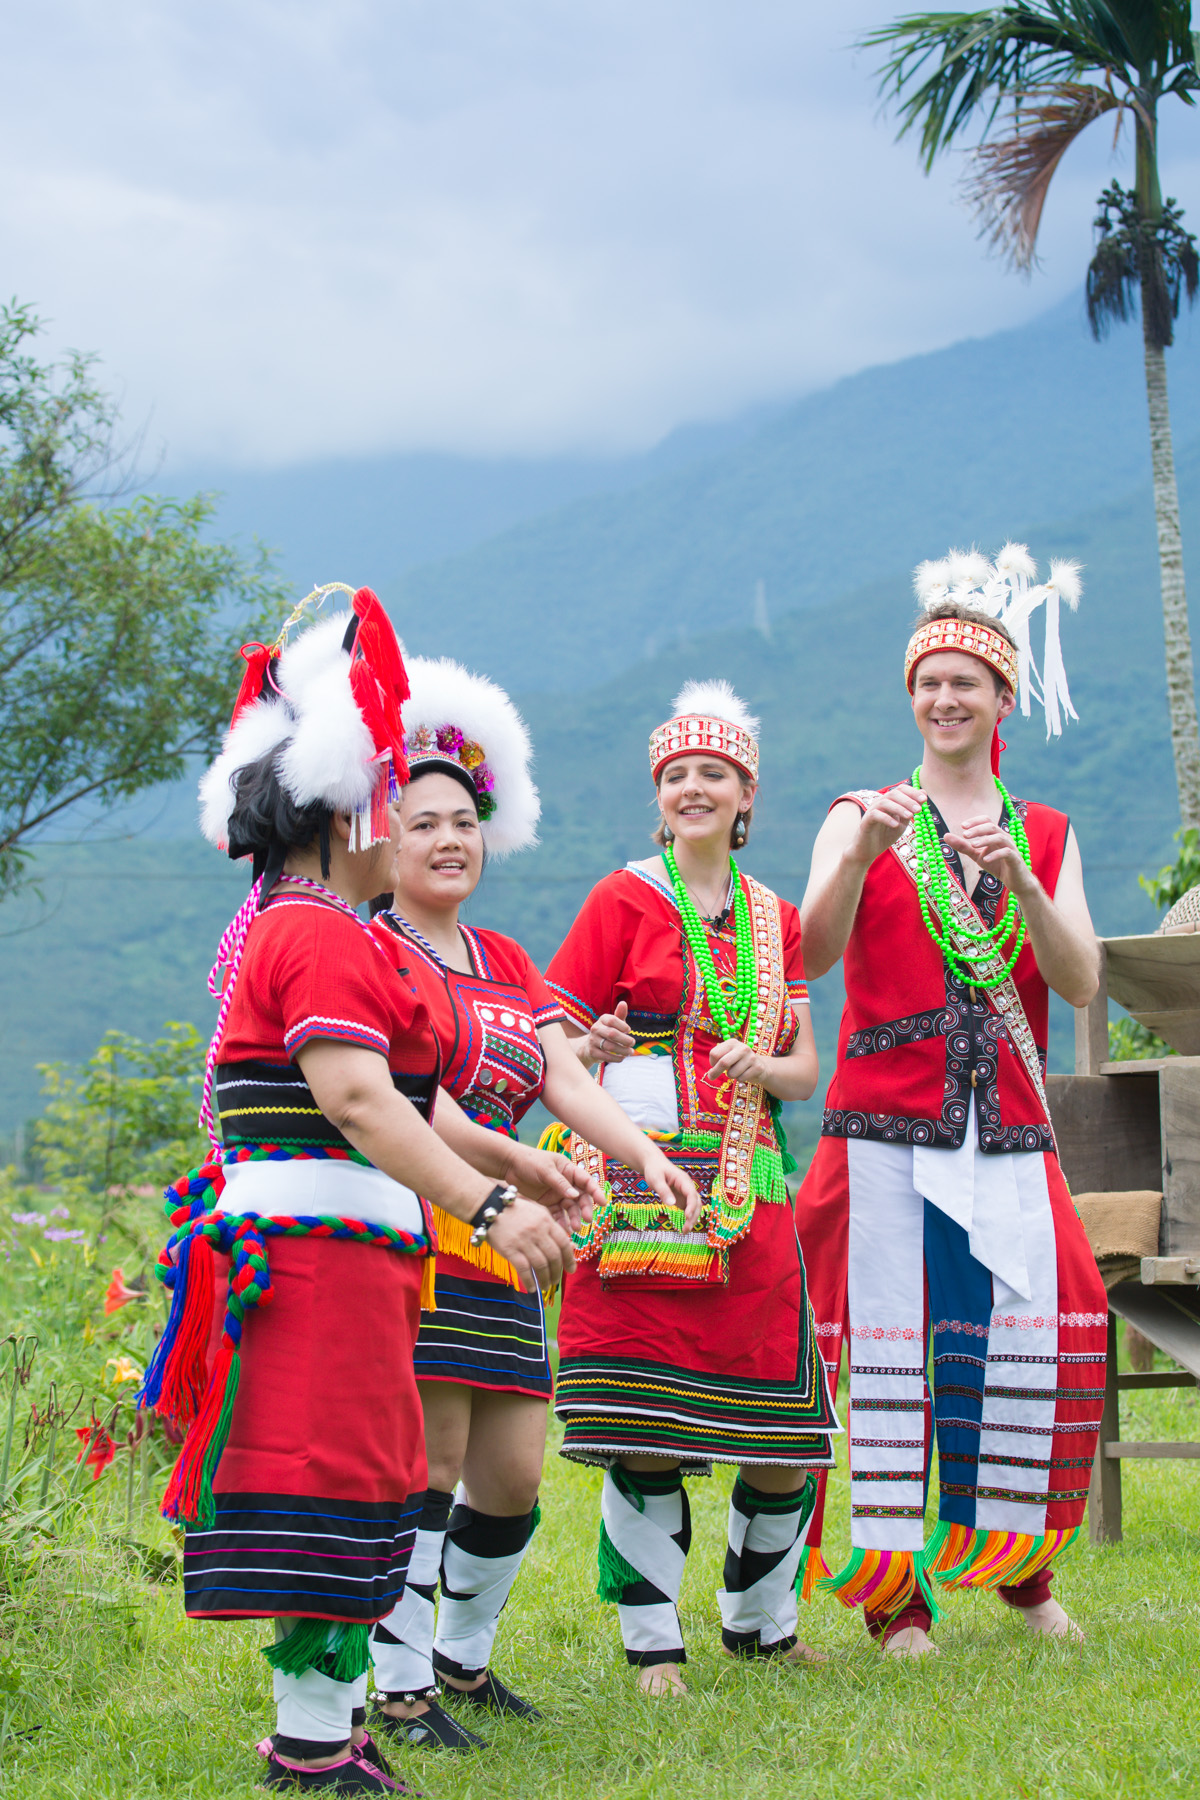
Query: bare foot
661	1678
1049	1619
910	1641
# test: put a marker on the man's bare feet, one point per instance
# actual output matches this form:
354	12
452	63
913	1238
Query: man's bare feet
1049	1619
910	1640
661	1678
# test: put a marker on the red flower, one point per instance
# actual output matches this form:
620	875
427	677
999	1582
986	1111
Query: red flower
118	1294
101	1450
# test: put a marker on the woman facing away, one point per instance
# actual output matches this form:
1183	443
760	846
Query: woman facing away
481	1360
300	1479
688	1340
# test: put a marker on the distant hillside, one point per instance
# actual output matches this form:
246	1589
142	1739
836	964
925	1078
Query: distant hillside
132	926
372	519
843	488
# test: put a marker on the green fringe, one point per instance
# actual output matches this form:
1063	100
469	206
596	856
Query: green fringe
340	1651
789	1162
766	1177
615	1573
206	1511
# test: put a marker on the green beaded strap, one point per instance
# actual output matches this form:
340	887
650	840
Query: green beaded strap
934	877
746	990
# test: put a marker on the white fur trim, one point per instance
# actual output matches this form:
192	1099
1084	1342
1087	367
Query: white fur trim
261	728
444	693
329	757
715	700
307	657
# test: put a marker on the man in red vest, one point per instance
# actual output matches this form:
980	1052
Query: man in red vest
935	1208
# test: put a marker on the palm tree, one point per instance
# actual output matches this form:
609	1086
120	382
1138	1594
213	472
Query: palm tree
1038	75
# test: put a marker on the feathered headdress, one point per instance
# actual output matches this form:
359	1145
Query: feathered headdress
466	723
709	716
1004	590
329	703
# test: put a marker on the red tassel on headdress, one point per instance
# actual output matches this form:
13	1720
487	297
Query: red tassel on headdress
257	657
998	745
379	679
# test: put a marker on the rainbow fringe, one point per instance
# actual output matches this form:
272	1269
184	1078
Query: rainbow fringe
887	1579
962	1558
956	1556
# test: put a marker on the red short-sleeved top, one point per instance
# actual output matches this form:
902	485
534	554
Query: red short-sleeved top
627	944
311	971
486	1020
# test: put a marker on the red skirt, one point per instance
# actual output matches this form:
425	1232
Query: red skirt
318	1490
702	1371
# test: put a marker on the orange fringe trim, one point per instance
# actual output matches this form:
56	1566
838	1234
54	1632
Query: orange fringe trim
454	1237
992	1559
428	1288
815	1569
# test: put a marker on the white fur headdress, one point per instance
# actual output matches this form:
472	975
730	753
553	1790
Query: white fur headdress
708	715
329	702
467	721
1006	591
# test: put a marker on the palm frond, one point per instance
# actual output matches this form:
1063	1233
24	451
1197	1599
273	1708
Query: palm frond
943	69
1009	177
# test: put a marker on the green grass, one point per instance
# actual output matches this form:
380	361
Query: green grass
130	1700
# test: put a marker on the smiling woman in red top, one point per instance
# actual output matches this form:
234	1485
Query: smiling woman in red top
687	1340
481	1357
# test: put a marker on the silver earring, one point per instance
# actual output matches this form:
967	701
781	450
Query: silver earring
739	831
668	834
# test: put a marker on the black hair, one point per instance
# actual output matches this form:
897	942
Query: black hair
267	824
436	766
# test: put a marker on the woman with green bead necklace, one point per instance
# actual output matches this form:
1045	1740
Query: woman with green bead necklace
686	1342
935	1216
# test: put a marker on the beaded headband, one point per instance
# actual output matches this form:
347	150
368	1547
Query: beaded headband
971	636
708	716
447	744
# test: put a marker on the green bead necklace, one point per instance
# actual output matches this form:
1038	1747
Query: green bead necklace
746	991
934	877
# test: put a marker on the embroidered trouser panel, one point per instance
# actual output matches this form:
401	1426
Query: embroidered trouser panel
314	1713
766	1536
402	1644
645	1534
480	1560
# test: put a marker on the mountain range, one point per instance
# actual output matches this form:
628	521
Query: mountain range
594	612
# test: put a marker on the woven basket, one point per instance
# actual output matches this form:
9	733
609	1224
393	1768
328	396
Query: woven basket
1185	912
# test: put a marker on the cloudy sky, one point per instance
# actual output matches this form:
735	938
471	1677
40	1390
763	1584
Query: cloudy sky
293	228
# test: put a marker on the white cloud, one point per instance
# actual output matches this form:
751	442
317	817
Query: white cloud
497	225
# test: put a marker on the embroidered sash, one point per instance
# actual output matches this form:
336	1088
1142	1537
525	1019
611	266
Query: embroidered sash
642	1237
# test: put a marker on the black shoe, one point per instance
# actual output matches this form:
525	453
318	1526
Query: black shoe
430	1730
351	1774
370	1752
493	1694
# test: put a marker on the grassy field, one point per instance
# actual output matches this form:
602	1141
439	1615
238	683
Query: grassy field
106	1690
